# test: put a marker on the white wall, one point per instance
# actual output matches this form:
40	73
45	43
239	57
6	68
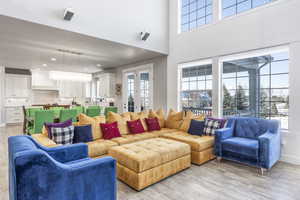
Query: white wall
271	25
159	81
114	20
2	89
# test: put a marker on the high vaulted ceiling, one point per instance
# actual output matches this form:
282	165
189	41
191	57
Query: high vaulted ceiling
28	45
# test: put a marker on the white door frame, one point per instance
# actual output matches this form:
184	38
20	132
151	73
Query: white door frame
136	71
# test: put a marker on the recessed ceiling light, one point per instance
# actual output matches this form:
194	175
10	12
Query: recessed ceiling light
45	65
98	65
53	59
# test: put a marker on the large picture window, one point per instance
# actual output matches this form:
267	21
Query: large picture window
257	86
195	13
196	89
233	7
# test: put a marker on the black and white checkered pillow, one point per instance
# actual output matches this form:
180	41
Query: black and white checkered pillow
210	126
63	135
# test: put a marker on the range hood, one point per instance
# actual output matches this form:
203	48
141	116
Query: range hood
40	80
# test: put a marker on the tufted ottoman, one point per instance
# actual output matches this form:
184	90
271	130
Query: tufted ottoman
143	163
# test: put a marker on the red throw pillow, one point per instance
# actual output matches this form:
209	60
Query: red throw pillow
110	130
153	124
135	126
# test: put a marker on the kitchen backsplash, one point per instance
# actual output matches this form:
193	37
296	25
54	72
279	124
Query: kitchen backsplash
44	97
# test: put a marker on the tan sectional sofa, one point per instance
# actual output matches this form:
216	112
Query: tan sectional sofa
174	128
201	147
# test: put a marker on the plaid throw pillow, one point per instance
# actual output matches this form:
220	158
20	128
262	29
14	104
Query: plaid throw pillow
210	126
63	135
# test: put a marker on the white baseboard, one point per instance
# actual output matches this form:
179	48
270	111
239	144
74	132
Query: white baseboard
290	159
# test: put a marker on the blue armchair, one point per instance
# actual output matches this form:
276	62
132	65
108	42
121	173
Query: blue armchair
253	141
64	173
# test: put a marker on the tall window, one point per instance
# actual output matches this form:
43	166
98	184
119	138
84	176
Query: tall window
130	92
195	13
145	101
233	7
257	86
196	89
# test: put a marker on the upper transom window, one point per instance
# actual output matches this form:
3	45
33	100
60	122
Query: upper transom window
233	7
195	13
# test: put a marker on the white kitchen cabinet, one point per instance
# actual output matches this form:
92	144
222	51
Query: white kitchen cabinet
14	115
106	85
17	86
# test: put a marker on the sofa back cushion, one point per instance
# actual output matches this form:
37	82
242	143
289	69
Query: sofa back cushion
83	134
174	119
121	119
110	130
250	127
94	122
159	114
141	116
153	124
135	126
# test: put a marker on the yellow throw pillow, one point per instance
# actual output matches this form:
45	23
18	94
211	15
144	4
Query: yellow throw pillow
159	114
121	119
94	122
174	119
141	116
187	120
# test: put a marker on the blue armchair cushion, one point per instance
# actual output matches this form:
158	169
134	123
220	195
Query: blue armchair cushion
244	146
196	127
83	134
63	135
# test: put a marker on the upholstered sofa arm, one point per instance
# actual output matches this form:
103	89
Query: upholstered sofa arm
98	174
68	153
65	153
224	133
270	149
44	140
221	134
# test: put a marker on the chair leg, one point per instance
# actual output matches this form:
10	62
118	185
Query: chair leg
262	171
219	159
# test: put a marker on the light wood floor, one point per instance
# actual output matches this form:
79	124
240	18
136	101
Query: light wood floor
211	181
